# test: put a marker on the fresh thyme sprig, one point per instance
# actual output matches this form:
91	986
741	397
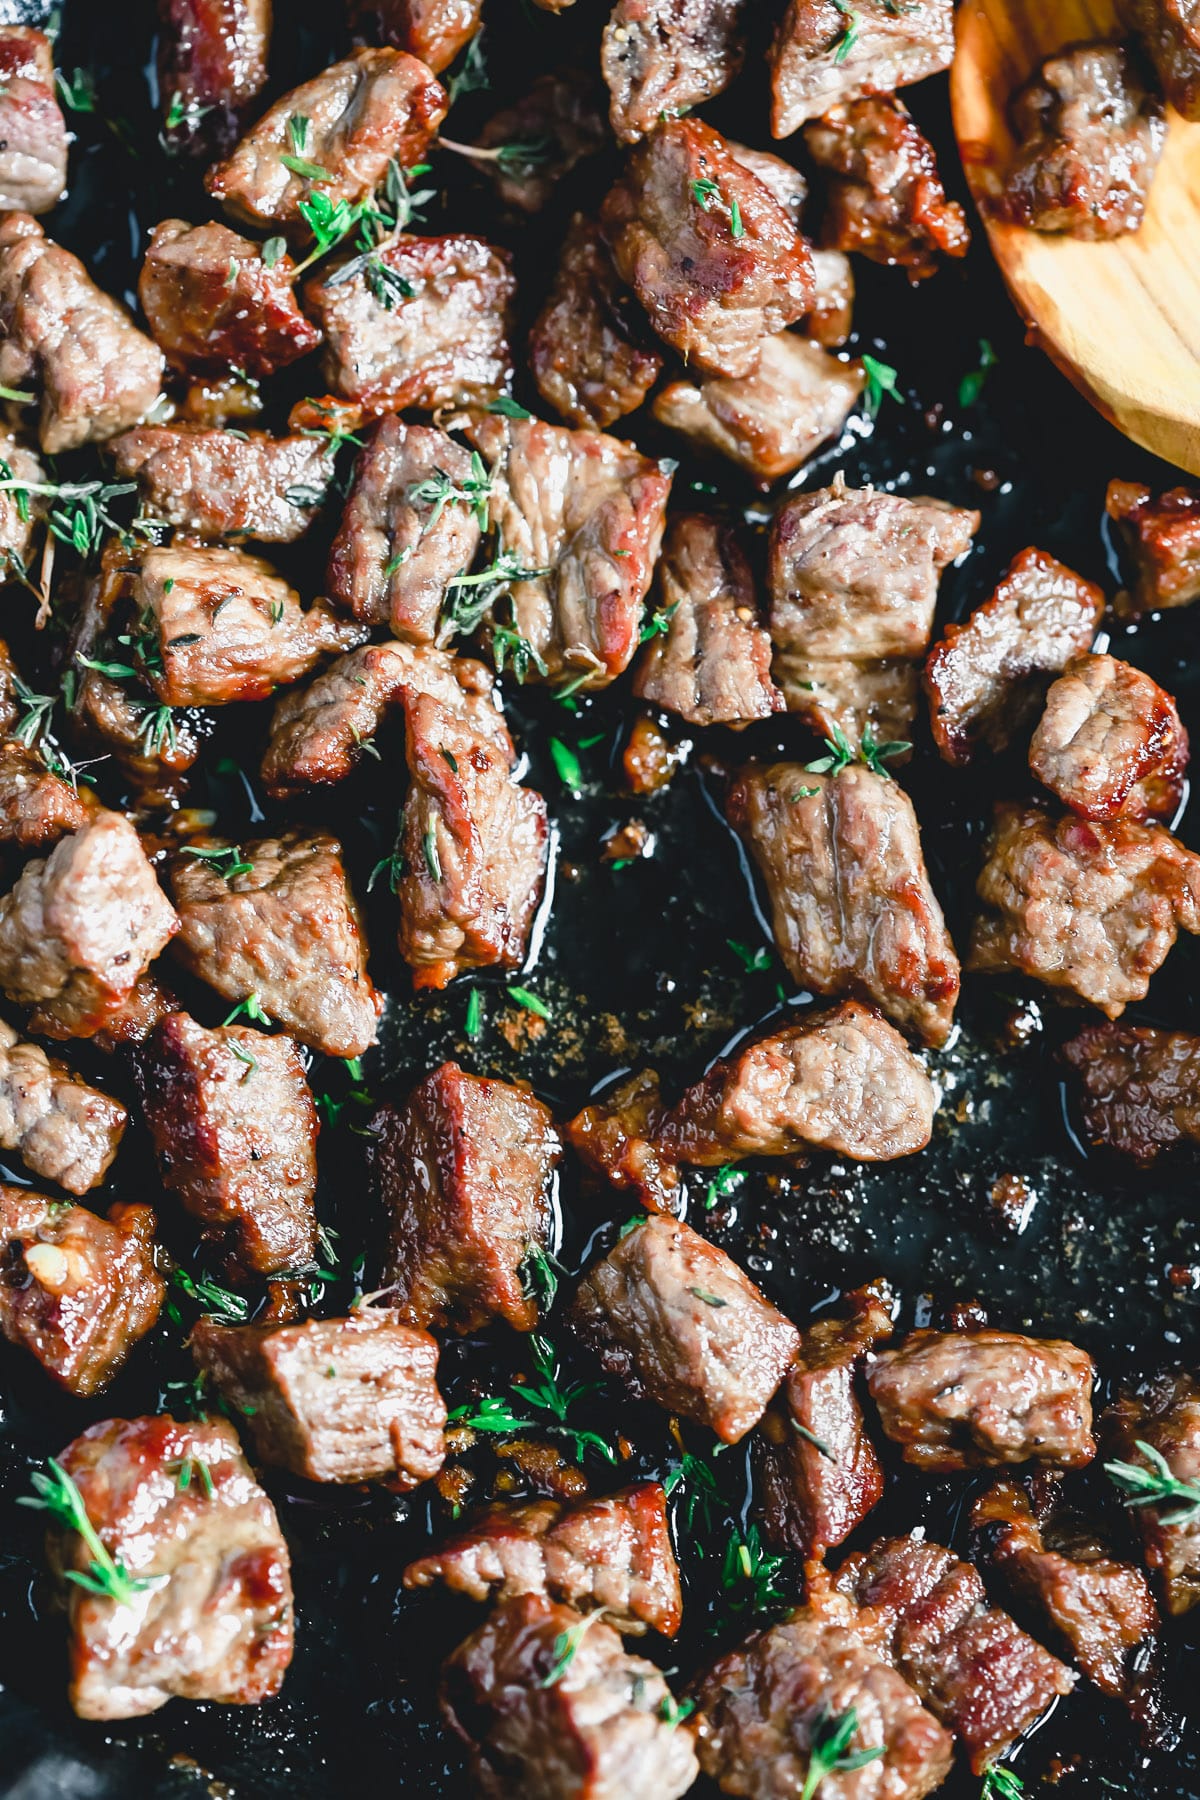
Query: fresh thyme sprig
1155	1486
84	515
842	753
831	1753
469	597
439	490
707	195
223	859
847	38
209	1295
882	380
749	1574
1000	1783
520	157
547	1395
56	1493
564	1647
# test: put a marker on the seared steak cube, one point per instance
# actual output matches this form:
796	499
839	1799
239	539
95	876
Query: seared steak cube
285	930
978	1399
706	247
1110	742
562	114
712	665
788	184
614	1137
985	680
674	1320
33	160
1090	134
878	696
1090	906
832	314
37	807
352	1399
660	58
464	1168
80	927
587	348
212	65
612	1554
1139	1088
178	1508
433	30
320	732
235	1132
1162	536
76	1291
1170	31
551	1704
212	484
852	908
822	55
63	1129
207	323
1164	1413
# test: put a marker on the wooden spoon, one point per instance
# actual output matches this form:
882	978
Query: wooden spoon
1120	318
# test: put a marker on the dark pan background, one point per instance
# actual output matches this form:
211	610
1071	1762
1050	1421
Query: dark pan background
637	966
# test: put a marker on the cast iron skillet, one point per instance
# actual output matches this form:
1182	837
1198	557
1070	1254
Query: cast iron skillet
637	966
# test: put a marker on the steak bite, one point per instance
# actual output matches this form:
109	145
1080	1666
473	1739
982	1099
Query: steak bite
843	1081
562	114
1093	907
63	1129
1162	537
925	1612
985	680
211	484
433	30
817	1471
537	1720
235	1133
80	926
358	115
396	550
33	132
1089	135
788	184
286	930
1110	742
852	908
214	1619
613	1554
76	1291
351	1399
442	341
96	373
660	58
37	807
1170	31
821	57
464	1170
763	1706
207	323
674	1320
1164	1413
319	733
582	516
1139	1088
979	1399
587	348
714	280
712	665
771	420
212	64
832	315
613	1136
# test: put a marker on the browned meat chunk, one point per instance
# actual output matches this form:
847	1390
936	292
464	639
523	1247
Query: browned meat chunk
706	247
396	550
1140	1088
674	1320
1100	1608
1091	906
985	680
37	807
33	133
19	517
320	733
434	30
595	1724
235	1132
1090	134
284	931
873	699
76	1291
212	64
612	1554
148	1003
818	1472
1162	536
214	1621
614	1137
97	373
885	197
582	516
1165	1414
206	322
1110	742
925	1612
211	484
789	185
823	55
463	1168
851	905
442	339
357	115
712	665
771	420
335	1399
764	1705
587	348
978	1399
1170	31
80	926
842	1081
832	314
660	58
562	114
63	1129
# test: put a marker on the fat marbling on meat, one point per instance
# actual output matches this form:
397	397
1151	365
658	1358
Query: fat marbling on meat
588	347
1110	742
661	58
206	322
822	56
214	484
63	1129
33	134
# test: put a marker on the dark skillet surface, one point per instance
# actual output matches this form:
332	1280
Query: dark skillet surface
637	967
